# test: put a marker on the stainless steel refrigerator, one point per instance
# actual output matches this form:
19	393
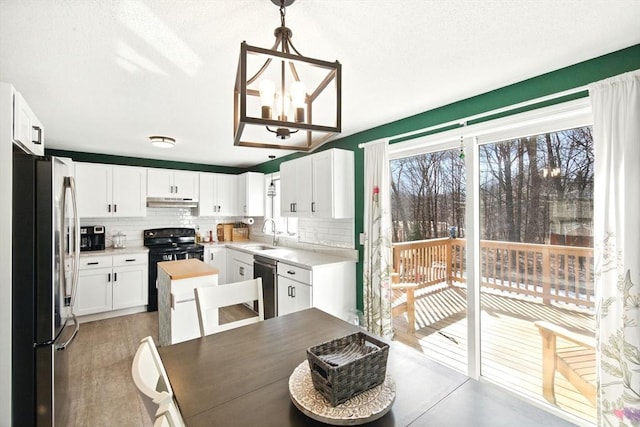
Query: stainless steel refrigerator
44	278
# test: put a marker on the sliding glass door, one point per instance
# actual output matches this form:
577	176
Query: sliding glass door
493	252
428	196
536	265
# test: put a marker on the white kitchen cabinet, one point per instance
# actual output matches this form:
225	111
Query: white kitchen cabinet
218	194
292	296
319	185
217	257
130	278
107	283
329	287
110	191
94	294
251	193
27	129
172	183
239	266
295	186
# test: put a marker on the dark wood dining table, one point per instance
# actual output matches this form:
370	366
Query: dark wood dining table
240	377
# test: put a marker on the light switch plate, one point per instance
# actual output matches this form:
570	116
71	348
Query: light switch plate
363	237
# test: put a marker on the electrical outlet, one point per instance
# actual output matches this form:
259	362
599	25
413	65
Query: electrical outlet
363	238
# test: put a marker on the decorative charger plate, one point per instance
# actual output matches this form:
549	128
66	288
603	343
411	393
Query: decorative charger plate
362	408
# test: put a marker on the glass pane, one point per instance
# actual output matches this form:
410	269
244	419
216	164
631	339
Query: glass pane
428	210
536	265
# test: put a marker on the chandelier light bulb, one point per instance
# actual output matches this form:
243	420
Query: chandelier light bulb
283	104
298	92
267	94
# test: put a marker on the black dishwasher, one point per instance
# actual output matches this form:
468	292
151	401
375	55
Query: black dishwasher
266	268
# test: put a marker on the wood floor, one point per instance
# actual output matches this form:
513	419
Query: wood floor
101	390
512	346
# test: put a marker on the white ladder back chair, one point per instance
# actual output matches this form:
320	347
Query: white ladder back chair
150	376
210	299
169	415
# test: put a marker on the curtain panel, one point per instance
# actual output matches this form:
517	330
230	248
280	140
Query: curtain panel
377	249
616	113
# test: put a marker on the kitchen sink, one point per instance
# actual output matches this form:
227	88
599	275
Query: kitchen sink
258	247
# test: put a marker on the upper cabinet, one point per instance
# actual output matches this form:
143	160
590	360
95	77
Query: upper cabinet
218	195
319	185
107	190
172	183
27	129
251	192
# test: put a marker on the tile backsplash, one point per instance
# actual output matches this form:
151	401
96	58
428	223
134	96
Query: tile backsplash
312	233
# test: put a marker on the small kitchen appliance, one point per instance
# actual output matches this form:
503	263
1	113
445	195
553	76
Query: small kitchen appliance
92	238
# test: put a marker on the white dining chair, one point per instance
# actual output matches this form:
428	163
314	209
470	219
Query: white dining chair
169	415
150	377
210	299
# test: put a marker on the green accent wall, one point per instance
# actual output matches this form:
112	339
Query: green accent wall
137	161
567	78
561	80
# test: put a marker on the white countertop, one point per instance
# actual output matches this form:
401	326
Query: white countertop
111	251
299	257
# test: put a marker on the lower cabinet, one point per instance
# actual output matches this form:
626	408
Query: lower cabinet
239	266
111	282
292	296
329	287
217	257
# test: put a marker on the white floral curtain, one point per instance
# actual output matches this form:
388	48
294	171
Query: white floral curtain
616	127
377	248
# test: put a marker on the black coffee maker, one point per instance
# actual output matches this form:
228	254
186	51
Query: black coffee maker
92	238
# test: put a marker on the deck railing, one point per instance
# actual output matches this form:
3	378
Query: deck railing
550	272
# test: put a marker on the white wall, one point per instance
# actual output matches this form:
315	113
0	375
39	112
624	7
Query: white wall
6	186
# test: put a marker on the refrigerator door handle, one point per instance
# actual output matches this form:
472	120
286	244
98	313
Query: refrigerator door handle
69	183
76	328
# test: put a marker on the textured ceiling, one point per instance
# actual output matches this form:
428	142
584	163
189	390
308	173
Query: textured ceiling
103	75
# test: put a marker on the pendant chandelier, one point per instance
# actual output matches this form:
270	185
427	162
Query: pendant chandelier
282	99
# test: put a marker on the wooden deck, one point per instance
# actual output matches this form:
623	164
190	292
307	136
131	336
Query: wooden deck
511	343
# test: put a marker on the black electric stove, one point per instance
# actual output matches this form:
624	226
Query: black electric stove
168	244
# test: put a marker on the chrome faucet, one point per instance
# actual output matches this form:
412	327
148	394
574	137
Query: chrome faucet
264	229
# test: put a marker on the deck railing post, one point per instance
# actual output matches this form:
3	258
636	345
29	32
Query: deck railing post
449	261
546	275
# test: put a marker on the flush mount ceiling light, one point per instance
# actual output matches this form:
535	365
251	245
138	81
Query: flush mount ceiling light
285	100
162	141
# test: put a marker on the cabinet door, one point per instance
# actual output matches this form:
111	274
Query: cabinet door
27	129
242	271
217	258
322	188
94	291
207	203
185	184
251	194
94	190
292	296
304	179
160	183
227	194
129	191
130	286
288	188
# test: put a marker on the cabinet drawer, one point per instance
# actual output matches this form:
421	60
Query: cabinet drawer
95	262
130	259
294	272
241	256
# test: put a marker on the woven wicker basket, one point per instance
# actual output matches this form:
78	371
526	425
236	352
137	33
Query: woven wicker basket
347	366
